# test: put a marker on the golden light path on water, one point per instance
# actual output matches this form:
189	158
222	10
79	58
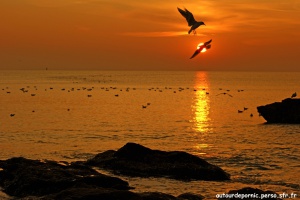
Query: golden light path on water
201	109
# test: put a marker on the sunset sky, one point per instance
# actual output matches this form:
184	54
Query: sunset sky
254	35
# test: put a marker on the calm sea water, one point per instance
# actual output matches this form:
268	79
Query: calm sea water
73	115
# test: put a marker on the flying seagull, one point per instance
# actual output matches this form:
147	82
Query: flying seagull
206	45
190	20
225	94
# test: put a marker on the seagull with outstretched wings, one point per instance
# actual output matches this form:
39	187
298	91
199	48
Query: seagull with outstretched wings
190	20
206	45
224	93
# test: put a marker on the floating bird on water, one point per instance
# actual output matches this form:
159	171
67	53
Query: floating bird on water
294	95
200	47
190	20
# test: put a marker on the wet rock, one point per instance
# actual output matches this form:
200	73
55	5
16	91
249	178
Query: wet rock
286	111
24	177
250	194
136	160
156	196
190	196
93	194
111	194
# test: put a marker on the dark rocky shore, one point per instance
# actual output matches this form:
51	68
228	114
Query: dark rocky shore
48	180
286	111
137	160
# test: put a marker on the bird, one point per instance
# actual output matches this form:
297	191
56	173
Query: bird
206	45
294	95
190	20
224	94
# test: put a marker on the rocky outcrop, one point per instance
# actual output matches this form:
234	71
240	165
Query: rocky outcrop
286	111
112	194
24	177
137	160
29	179
93	194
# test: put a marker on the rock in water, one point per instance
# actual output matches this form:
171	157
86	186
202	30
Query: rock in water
136	160
286	111
24	177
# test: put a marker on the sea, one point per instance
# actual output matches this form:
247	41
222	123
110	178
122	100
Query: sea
74	115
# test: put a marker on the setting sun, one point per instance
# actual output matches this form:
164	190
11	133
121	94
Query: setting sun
203	50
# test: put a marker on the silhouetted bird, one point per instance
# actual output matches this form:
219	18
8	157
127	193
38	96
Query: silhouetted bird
206	45
294	95
224	94
190	20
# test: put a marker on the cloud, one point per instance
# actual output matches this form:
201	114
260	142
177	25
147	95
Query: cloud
159	34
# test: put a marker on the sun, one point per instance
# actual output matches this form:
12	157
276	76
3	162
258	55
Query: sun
203	50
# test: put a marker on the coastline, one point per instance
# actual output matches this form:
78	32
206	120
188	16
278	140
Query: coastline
47	180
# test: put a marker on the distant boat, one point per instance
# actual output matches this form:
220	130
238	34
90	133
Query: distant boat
286	111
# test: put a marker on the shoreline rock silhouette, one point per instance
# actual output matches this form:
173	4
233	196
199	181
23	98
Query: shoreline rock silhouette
23	178
136	160
286	111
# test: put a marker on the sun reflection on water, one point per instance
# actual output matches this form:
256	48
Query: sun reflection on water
201	108
201	104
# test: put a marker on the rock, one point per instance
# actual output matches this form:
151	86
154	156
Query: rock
190	196
112	194
156	196
137	160
35	180
250	194
286	111
24	177
93	194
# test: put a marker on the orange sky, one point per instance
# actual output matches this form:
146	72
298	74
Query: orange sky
149	35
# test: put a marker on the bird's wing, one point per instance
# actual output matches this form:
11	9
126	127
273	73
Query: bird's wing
191	20
182	12
196	52
207	43
188	16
